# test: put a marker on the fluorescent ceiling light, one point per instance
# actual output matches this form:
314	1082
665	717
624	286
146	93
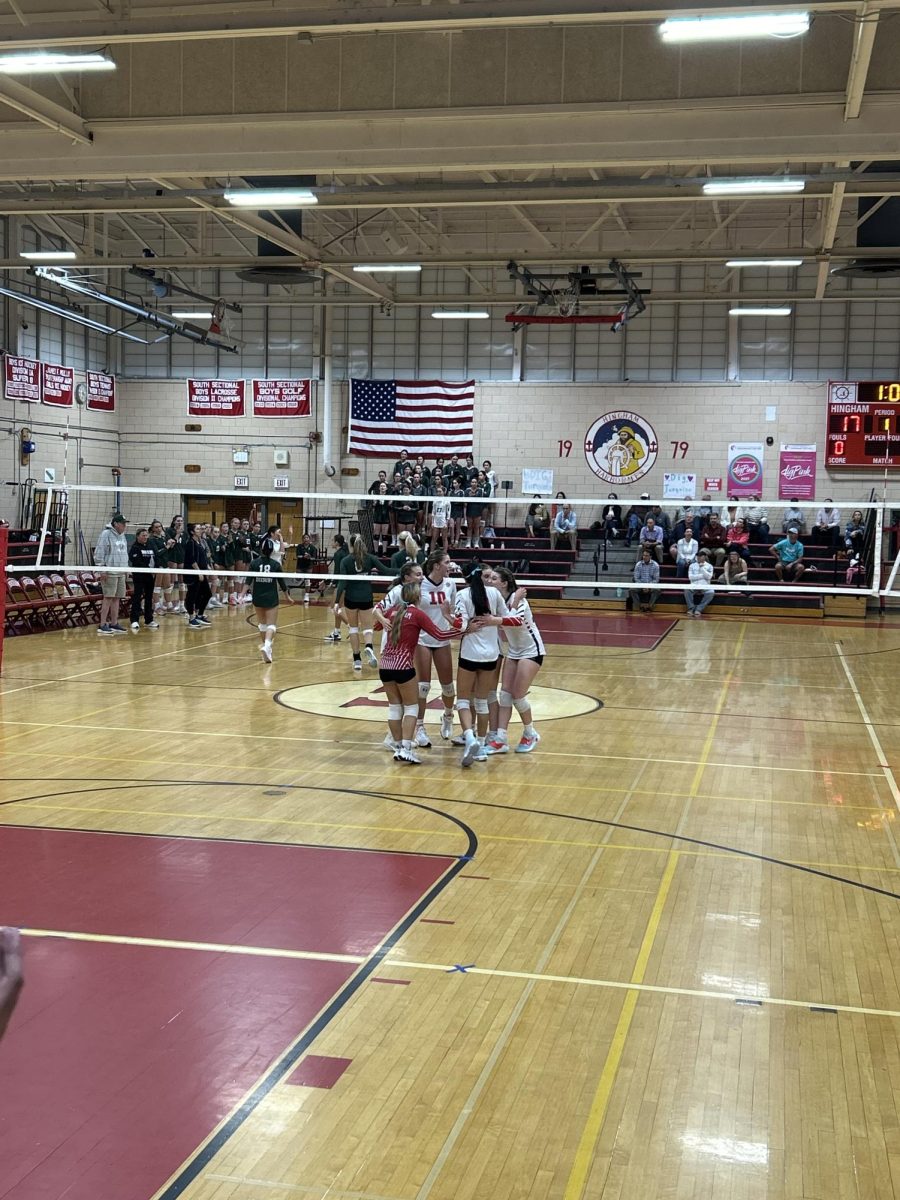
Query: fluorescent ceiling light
753	25
451	314
751	187
45	62
191	316
368	268
764	262
48	255
67	314
270	197
760	312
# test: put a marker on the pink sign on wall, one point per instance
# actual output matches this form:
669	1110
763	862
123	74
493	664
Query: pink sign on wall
797	473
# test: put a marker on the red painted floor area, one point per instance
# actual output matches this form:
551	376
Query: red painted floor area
641	633
120	1059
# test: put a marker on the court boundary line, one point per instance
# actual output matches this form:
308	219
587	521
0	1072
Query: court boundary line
886	770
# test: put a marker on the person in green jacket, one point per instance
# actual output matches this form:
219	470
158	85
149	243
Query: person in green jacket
409	552
265	595
357	597
160	544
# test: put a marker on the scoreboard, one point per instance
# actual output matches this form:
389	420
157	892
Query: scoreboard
863	424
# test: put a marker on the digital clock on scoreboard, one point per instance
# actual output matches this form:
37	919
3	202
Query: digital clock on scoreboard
863	424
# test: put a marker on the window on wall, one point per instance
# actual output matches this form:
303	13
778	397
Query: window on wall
873	345
764	348
701	346
820	341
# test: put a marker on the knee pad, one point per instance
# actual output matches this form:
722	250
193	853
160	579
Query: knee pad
395	712
505	699
492	697
353	628
262	628
447	689
410	710
424	689
480	705
272	628
521	704
462	704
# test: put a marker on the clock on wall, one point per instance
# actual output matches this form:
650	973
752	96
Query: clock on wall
80	393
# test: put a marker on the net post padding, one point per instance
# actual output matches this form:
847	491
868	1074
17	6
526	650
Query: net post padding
4	556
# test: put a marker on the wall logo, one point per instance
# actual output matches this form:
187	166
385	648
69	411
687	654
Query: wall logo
620	447
746	469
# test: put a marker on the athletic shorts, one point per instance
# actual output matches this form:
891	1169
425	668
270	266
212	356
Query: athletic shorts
467	664
389	676
113	587
536	658
351	607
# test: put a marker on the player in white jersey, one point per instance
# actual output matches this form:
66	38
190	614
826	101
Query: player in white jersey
483	611
440	517
437	587
524	658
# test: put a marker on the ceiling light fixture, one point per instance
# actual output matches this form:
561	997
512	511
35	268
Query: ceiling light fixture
753	187
717	29
48	255
764	262
370	268
67	314
452	314
760	312
191	316
44	62
272	198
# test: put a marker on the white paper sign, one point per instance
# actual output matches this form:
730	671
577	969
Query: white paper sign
679	485
537	481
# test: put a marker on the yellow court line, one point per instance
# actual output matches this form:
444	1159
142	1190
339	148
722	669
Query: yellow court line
400	964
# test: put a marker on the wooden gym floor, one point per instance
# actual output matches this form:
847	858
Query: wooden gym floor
656	958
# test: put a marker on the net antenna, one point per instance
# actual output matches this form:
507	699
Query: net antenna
559	298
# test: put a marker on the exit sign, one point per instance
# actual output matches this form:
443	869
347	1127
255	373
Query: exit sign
282	482
242	481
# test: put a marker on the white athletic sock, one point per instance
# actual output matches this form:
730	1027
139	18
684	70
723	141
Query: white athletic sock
528	731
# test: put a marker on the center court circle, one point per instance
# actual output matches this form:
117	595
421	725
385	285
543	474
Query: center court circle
361	701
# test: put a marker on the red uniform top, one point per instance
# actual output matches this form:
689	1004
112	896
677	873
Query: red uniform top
414	622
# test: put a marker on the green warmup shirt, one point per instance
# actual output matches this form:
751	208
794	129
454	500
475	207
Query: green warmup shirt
221	552
358	594
401	558
265	591
160	553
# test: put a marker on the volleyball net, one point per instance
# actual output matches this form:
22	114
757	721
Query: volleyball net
68	521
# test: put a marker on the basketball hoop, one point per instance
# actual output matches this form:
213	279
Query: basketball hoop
218	316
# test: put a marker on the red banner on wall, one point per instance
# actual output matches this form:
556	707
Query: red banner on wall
215	397
101	392
58	385
22	379
797	473
281	398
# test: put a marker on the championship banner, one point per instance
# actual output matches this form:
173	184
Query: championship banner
797	473
215	397
22	379
101	392
281	398
58	385
745	469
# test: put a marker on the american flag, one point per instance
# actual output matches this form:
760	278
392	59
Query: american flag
422	416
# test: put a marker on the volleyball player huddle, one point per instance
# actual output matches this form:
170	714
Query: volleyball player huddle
421	614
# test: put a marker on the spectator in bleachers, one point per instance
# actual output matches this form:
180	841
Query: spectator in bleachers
661	520
757	517
474	511
401	463
555	507
565	524
490	510
827	531
713	539
381	519
405	510
646	571
688	525
793	516
112	551
700	575
382	479
684	552
788	555
470	469
634	519
652	538
736	569
707	508
457	509
420	489
855	533
537	518
612	517
737	537
440	516
419	465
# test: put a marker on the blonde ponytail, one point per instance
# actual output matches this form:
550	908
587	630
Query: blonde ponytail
411	593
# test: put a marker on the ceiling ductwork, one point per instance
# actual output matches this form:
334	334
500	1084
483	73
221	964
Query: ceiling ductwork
881	229
292	219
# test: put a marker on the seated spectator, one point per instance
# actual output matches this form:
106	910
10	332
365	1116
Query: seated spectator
634	519
729	512
536	519
554	508
707	508
684	552
827	530
855	533
713	539
661	520
700	575
793	516
788	555
757	517
688	519
652	539
737	537
736	569
565	524
646	571
612	517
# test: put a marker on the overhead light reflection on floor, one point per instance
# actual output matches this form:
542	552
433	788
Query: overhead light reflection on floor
752	988
727	1150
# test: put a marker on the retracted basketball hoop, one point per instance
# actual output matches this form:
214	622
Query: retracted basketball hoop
558	298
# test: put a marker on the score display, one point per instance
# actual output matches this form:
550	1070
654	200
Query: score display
863	424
